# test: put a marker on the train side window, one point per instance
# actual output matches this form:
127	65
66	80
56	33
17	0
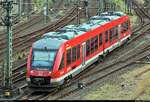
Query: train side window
116	31
92	45
87	47
74	54
111	34
124	27
68	56
96	43
62	63
127	25
106	36
78	51
100	39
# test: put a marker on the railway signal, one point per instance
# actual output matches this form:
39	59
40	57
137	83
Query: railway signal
7	89
101	6
19	8
46	9
86	7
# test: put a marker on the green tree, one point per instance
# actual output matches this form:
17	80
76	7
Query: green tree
40	3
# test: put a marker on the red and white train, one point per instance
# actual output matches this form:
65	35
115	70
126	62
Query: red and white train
59	56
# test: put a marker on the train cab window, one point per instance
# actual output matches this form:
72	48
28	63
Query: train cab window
69	57
106	36
78	51
43	59
74	50
100	39
87	47
62	63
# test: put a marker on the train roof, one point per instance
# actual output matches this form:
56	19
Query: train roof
112	13
71	26
49	34
100	18
53	40
48	43
68	32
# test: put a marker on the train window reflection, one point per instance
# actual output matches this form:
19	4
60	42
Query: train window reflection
43	59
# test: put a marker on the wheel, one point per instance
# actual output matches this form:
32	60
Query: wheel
100	58
67	79
105	53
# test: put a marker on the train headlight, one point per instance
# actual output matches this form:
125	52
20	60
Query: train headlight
31	72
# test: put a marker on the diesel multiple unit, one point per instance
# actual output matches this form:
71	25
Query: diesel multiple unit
59	56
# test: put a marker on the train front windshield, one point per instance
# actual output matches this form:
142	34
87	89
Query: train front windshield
43	60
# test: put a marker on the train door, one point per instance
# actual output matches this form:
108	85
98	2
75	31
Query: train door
119	34
106	42
101	42
83	54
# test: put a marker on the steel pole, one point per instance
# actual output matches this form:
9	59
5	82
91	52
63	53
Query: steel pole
19	8
47	9
9	44
7	90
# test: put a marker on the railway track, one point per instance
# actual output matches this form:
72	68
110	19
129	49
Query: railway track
17	76
59	24
27	24
118	64
18	71
94	73
122	64
21	27
139	11
23	42
103	73
110	68
71	16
